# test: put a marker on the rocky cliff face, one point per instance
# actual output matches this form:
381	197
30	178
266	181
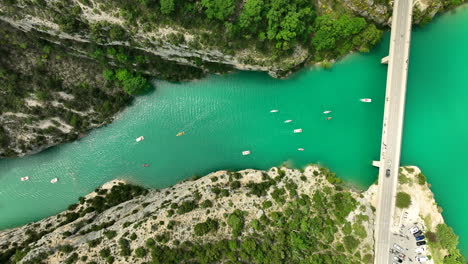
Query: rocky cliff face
119	223
174	42
170	42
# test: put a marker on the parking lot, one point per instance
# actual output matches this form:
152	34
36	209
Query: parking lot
404	249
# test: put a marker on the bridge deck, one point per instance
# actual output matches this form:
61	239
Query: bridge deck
392	127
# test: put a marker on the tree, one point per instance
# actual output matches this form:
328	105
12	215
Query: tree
251	14
132	84
105	252
403	200
446	236
219	9
288	22
108	74
140	252
203	228
167	6
350	243
116	32
332	32
236	222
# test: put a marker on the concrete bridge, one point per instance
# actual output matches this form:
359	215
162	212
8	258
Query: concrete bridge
392	127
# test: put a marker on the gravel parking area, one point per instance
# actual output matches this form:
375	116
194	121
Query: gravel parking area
404	248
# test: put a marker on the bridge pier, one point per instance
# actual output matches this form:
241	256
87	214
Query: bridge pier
384	60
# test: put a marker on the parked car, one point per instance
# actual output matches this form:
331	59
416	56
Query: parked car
414	229
397	259
421	237
398	248
422	259
418	233
387	173
420	243
420	250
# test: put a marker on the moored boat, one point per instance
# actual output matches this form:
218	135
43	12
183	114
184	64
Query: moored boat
288	121
145	165
300	149
298	130
139	139
328	118
25	178
327	112
180	134
54	180
365	100
246	152
274	111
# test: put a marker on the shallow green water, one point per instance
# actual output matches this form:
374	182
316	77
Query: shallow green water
224	115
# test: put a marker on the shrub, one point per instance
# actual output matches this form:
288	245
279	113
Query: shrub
124	247
350	243
140	252
72	258
104	253
186	207
110	234
403	200
66	248
267	204
431	236
203	228
402	179
421	179
235	185
150	243
260	189
94	242
206	204
236	222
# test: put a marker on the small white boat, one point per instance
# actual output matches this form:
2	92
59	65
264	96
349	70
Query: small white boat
139	139
300	149
327	112
288	121
54	180
25	178
365	100
298	130
273	111
246	152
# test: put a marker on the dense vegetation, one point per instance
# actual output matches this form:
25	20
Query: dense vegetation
445	239
274	26
305	231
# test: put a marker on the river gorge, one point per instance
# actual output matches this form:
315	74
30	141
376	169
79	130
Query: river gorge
221	116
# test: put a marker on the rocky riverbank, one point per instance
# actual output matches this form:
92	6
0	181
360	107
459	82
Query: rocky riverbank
247	216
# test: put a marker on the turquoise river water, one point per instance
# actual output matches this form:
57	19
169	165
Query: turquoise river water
225	115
